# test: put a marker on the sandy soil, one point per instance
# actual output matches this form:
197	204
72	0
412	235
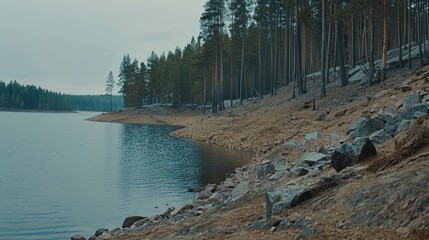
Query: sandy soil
262	126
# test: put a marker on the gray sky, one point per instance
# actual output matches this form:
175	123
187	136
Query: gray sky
71	45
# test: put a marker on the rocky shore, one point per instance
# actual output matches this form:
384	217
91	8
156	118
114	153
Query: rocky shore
355	168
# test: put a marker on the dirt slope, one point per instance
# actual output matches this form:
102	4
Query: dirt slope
387	201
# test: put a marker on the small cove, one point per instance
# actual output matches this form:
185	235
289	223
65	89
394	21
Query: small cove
61	175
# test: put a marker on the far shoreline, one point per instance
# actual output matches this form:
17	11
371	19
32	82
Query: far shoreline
36	111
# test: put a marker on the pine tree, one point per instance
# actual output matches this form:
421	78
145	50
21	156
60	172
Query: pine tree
110	82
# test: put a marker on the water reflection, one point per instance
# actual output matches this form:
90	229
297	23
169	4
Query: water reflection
151	156
215	162
154	160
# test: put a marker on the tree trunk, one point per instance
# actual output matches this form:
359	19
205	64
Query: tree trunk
340	47
232	61
409	35
328	55
242	67
400	33
298	63
205	93
419	31
286	54
371	46
352	42
260	60
323	59
385	40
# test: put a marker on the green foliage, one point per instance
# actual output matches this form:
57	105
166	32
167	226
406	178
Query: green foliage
14	96
250	48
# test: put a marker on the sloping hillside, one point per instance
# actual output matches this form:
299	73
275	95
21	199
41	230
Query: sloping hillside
291	190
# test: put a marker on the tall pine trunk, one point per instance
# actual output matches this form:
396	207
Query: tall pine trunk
371	45
400	33
409	36
242	66
340	47
323	59
419	31
385	39
298	62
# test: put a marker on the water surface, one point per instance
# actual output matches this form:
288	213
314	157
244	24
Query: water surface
61	175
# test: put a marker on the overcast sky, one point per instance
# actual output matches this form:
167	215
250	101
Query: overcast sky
71	45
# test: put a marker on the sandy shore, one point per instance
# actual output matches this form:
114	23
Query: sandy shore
155	116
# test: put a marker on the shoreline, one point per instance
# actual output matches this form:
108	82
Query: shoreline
36	111
158	116
280	193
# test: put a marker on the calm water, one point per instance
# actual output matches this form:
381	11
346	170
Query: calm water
61	175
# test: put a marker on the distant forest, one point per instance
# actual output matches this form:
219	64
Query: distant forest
14	96
251	48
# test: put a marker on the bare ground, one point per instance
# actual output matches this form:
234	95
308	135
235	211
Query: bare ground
385	202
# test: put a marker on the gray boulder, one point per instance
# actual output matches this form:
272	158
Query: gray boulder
393	122
312	159
348	154
360	123
285	197
380	137
203	195
141	222
115	231
412	99
391	111
301	171
419	114
291	145
78	237
404	126
241	190
265	169
364	127
312	136
281	164
100	231
129	221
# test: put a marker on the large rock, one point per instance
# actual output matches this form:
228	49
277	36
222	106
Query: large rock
360	123
380	137
412	99
129	221
240	190
265	169
312	159
277	200
312	136
78	237
348	154
393	122
140	223
291	145
100	231
281	164
364	127
203	195
404	126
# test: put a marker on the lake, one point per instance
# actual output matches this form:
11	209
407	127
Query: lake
61	175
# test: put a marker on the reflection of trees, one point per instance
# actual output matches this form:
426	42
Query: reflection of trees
217	161
153	161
